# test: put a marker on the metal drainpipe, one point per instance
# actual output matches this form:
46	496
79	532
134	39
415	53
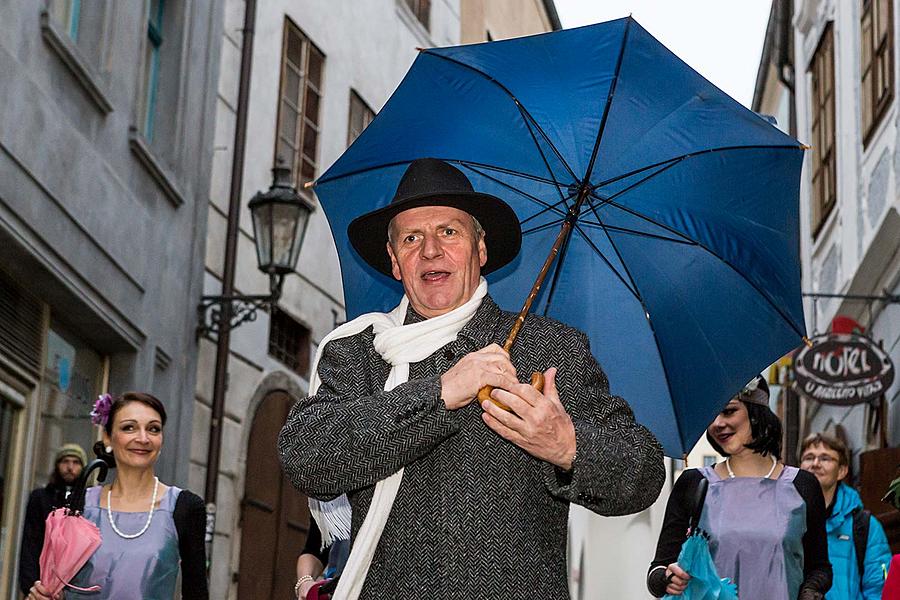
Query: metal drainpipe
785	31
220	383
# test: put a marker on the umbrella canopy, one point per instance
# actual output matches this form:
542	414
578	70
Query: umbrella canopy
683	265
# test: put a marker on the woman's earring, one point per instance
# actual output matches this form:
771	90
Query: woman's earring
108	449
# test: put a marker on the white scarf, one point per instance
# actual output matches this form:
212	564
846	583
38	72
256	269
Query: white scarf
399	345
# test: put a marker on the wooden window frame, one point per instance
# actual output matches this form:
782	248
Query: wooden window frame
303	163
289	342
823	130
876	63
421	9
368	115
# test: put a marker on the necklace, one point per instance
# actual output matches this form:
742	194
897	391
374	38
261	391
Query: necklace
131	536
731	473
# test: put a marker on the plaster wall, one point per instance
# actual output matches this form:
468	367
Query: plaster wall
501	19
856	251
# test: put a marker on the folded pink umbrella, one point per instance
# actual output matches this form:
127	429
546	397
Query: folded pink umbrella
69	538
69	541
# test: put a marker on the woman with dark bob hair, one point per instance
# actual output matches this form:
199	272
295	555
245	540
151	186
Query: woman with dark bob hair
765	520
149	529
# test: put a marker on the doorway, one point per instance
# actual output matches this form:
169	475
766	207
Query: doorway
274	516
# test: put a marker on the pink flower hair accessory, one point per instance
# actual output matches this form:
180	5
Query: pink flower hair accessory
102	408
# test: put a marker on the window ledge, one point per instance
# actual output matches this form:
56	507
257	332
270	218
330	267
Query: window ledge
166	180
71	57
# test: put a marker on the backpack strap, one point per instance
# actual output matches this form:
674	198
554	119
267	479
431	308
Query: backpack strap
861	519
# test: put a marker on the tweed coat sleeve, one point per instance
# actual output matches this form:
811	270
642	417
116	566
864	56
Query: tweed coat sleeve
352	433
619	464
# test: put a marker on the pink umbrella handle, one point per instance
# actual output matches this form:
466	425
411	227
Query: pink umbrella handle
93	588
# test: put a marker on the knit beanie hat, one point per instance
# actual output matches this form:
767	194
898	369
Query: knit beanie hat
73	450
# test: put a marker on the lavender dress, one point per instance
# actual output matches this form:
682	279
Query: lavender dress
143	568
756	529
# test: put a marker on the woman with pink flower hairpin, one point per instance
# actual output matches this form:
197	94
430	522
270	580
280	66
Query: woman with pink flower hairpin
150	530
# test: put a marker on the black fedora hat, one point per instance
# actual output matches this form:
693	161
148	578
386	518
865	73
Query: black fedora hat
433	182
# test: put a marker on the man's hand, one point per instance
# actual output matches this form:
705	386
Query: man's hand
488	366
538	422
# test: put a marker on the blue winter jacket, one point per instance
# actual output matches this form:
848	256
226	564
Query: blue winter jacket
846	584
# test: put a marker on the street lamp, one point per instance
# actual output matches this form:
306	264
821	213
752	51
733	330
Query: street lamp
280	217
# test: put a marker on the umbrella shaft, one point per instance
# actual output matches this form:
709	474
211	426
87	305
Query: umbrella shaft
520	319
564	232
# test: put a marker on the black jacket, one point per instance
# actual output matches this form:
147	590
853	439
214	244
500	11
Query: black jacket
475	515
40	504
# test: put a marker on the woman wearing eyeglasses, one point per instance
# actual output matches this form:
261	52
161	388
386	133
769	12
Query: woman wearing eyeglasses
765	520
149	530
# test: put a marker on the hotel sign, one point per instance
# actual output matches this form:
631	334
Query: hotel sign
843	369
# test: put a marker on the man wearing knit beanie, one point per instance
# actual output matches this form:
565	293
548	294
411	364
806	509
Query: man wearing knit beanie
68	463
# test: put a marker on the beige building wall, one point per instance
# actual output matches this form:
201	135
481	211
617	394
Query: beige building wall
501	19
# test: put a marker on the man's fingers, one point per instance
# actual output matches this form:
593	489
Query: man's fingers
516	403
550	384
498	380
502	430
509	419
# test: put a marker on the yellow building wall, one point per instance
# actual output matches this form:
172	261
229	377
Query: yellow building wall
502	19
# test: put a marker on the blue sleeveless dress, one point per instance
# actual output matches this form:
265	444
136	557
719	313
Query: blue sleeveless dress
143	568
756	529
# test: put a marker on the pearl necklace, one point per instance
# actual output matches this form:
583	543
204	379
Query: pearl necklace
131	536
731	473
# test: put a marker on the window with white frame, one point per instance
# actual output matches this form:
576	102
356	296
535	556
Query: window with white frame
298	108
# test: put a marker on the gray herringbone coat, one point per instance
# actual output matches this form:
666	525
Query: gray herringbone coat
475	517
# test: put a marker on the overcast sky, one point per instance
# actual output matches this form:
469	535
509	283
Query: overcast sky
721	39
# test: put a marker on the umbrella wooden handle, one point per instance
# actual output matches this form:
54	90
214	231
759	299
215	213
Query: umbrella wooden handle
537	382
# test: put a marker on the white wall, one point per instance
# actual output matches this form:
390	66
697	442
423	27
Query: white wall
856	251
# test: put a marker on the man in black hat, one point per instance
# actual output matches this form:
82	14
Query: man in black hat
452	499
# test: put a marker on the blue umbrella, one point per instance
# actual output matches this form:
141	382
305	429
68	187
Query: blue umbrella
681	263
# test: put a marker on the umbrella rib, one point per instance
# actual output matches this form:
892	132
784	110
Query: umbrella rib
556	273
450	160
635	184
693	154
504	170
541	227
518	104
535	199
599	253
549	207
526	117
649	320
609	99
775	306
639	233
610	202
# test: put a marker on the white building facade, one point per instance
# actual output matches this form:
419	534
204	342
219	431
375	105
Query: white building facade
320	71
845	56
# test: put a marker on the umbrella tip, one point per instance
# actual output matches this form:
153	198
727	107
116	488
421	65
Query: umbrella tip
420	49
308	185
805	147
807	341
